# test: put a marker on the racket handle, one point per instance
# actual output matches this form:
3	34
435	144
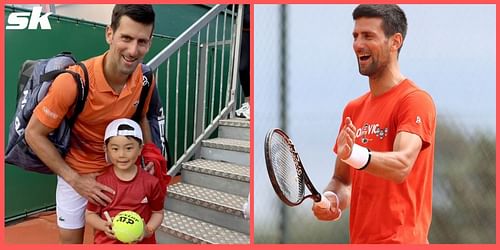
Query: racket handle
324	202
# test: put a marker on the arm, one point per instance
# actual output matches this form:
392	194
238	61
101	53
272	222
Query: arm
394	165
340	184
146	134
151	102
156	200
154	223
36	135
95	221
146	130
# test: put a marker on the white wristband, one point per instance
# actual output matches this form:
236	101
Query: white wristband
360	157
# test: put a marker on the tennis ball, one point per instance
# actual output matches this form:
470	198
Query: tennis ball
128	226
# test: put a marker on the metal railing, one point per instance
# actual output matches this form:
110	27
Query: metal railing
200	70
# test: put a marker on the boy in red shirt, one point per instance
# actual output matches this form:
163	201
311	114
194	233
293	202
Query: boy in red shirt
135	189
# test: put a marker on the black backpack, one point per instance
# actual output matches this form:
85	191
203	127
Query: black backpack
35	79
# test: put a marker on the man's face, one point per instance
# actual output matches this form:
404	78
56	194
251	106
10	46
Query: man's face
128	44
370	45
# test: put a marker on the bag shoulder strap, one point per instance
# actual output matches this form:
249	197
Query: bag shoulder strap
82	91
147	81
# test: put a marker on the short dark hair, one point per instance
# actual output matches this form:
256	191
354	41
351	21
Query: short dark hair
142	13
393	17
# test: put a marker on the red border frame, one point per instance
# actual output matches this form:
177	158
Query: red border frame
252	245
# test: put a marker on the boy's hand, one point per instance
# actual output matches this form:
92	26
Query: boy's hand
109	230
108	225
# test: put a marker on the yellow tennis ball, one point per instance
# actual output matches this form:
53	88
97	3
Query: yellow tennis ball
128	226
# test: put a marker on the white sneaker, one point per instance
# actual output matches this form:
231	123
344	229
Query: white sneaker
244	111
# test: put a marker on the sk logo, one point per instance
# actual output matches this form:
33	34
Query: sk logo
23	20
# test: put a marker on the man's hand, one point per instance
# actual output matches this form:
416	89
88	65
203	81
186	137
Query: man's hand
93	191
346	139
332	213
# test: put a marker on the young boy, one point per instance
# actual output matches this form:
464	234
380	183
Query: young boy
135	189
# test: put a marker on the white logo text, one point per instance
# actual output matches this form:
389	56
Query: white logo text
23	20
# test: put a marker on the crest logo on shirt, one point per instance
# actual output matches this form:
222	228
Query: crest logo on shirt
418	121
371	129
145	200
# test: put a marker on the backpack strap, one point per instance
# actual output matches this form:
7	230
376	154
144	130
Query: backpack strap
82	87
146	84
83	92
82	97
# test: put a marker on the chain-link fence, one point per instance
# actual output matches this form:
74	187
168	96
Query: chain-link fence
464	169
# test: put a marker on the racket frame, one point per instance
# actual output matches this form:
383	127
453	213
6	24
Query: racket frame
315	195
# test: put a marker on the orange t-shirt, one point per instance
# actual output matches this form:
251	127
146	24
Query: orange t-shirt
103	105
383	211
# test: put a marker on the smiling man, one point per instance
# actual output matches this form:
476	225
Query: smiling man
385	146
115	84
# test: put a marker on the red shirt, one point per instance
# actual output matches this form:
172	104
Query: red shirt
141	195
382	211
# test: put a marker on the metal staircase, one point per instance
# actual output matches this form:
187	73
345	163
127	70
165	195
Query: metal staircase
199	70
206	206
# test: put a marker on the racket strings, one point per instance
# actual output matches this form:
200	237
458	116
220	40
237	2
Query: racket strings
288	174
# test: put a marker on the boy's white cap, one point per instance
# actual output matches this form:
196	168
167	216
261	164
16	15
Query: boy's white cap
112	129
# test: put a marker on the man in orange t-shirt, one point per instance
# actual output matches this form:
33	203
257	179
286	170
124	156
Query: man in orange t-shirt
115	84
385	147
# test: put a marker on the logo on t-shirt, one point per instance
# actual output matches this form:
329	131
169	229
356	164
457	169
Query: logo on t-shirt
145	200
418	121
371	129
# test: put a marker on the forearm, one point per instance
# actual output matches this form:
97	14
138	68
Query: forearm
340	184
146	130
393	166
155	221
48	154
95	220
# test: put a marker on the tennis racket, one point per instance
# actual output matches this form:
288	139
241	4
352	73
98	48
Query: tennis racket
286	172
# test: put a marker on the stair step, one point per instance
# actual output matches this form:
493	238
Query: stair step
228	144
217	175
218	168
196	231
236	122
226	150
208	198
234	129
